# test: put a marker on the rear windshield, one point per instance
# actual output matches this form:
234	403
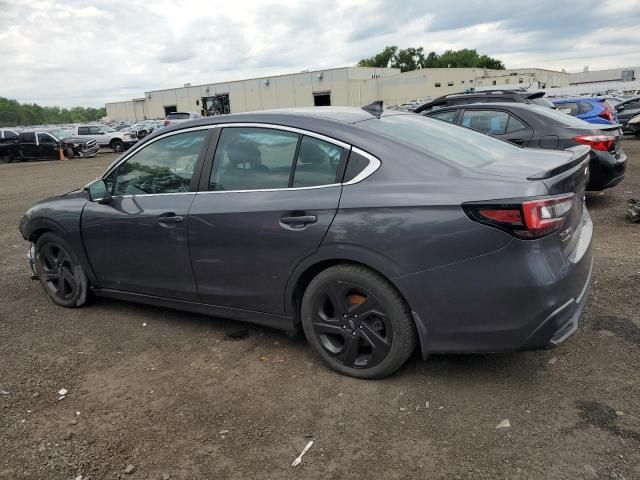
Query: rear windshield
561	117
545	102
178	116
452	143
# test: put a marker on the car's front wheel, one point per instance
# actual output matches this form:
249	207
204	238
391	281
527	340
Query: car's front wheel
59	271
357	322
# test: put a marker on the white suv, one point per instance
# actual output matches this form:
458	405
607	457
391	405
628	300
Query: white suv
177	117
106	136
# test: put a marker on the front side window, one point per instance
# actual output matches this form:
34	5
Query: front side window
10	134
164	166
487	121
317	163
448	116
253	159
45	138
95	130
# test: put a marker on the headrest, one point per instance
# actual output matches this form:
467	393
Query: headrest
311	153
244	152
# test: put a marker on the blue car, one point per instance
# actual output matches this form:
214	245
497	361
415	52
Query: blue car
590	109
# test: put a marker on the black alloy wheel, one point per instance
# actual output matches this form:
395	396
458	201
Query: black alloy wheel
59	272
117	146
351	325
357	322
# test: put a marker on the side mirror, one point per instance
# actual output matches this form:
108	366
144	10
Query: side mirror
97	190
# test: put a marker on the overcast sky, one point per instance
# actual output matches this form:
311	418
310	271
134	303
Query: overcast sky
84	52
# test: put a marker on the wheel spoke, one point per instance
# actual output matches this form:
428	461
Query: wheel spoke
48	276
349	352
69	278
50	256
336	293
327	328
379	346
365	309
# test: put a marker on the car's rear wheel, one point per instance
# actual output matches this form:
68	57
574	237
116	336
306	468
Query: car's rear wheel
59	271
357	322
117	145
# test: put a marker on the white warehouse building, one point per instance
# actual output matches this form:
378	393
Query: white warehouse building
346	86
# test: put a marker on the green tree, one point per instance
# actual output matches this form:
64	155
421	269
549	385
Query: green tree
411	58
13	114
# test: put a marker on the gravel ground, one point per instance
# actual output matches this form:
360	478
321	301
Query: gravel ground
188	396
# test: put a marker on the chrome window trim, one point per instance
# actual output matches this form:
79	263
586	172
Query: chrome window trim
374	162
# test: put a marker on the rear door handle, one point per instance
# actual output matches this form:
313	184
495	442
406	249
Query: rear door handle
299	219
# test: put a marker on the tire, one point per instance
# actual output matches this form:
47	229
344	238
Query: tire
59	271
349	308
69	153
117	145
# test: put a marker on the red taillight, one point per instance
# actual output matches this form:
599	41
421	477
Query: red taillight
167	123
604	143
528	219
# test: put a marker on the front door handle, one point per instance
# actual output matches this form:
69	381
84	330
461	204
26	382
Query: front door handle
299	219
169	219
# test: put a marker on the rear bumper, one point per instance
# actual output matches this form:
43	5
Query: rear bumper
606	170
527	295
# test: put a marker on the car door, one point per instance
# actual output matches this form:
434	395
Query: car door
28	147
268	202
498	123
99	135
47	146
137	239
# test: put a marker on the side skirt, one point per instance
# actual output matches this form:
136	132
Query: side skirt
279	322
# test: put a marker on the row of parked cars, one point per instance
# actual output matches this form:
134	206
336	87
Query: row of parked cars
529	119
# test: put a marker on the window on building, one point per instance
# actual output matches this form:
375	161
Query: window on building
449	84
470	81
521	80
493	82
462	82
479	83
437	84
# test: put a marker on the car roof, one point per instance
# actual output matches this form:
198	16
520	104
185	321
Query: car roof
577	99
485	105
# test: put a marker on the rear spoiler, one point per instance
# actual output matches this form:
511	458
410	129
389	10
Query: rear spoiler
580	153
529	96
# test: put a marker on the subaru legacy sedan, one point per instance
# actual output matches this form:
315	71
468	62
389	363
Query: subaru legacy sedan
376	233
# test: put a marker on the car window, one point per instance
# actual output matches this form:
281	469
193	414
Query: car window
253	159
632	105
83	130
95	130
542	101
586	107
443	140
559	117
448	116
491	122
178	116
317	163
164	166
570	108
29	137
9	134
45	138
515	124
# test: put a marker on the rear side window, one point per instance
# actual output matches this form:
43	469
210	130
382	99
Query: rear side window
570	108
83	130
448	116
317	163
586	107
178	116
29	137
253	159
544	102
627	106
357	163
491	122
442	140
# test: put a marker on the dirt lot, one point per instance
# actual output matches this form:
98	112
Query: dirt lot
194	397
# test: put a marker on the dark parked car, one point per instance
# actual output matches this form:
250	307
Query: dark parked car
596	110
375	234
634	125
41	144
488	96
627	110
541	127
8	140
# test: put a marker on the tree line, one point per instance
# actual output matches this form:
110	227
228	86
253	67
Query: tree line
14	113
407	59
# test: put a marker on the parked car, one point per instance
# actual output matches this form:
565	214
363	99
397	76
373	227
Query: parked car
43	144
365	230
106	137
177	117
626	110
540	127
8	138
488	96
634	125
595	110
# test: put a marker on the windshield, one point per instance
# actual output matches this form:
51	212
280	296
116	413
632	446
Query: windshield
560	117
61	134
449	142
106	129
178	116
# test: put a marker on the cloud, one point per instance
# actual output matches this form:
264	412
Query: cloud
88	52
